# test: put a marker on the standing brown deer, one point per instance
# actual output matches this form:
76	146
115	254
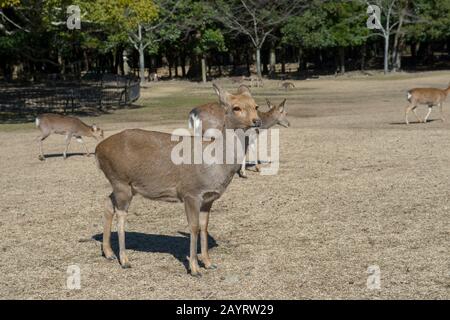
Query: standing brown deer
211	116
49	123
139	162
428	96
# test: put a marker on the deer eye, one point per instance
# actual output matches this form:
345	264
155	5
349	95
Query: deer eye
257	107
236	108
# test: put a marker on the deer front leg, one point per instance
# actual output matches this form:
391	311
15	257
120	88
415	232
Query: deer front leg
68	138
192	208
80	140
41	138
121	215
108	218
242	173
204	219
442	112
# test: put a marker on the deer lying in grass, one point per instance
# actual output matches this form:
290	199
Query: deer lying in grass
287	85
428	96
139	162
49	123
211	116
255	81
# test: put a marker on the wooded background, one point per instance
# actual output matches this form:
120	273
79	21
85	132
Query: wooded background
232	37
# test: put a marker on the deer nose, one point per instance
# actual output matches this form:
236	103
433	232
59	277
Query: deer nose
257	122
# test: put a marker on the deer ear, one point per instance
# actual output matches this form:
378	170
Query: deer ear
224	96
243	89
94	127
269	104
281	107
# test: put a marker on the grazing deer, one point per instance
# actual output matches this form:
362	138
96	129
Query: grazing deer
139	162
153	76
276	115
287	85
427	96
49	123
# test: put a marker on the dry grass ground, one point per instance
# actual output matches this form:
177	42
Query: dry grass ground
356	187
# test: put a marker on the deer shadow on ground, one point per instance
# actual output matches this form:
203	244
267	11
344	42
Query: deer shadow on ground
60	155
177	246
411	122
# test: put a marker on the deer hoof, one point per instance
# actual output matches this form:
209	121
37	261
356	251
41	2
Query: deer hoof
211	267
111	256
42	158
125	265
196	274
242	174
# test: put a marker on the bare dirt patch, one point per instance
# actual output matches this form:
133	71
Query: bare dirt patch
355	188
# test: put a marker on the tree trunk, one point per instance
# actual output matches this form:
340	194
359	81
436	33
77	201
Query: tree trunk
258	62
414	54
183	65
141	56
342	60
141	63
386	54
203	69
363	57
396	56
272	62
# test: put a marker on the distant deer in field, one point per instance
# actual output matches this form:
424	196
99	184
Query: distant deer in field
70	126
237	79
212	116
427	96
153	76
287	85
255	81
139	162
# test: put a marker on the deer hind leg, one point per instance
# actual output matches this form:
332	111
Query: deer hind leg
192	208
204	220
430	107
68	138
410	107
107	223
41	138
121	199
80	140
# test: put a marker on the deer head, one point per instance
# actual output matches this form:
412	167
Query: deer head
279	113
240	109
97	133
